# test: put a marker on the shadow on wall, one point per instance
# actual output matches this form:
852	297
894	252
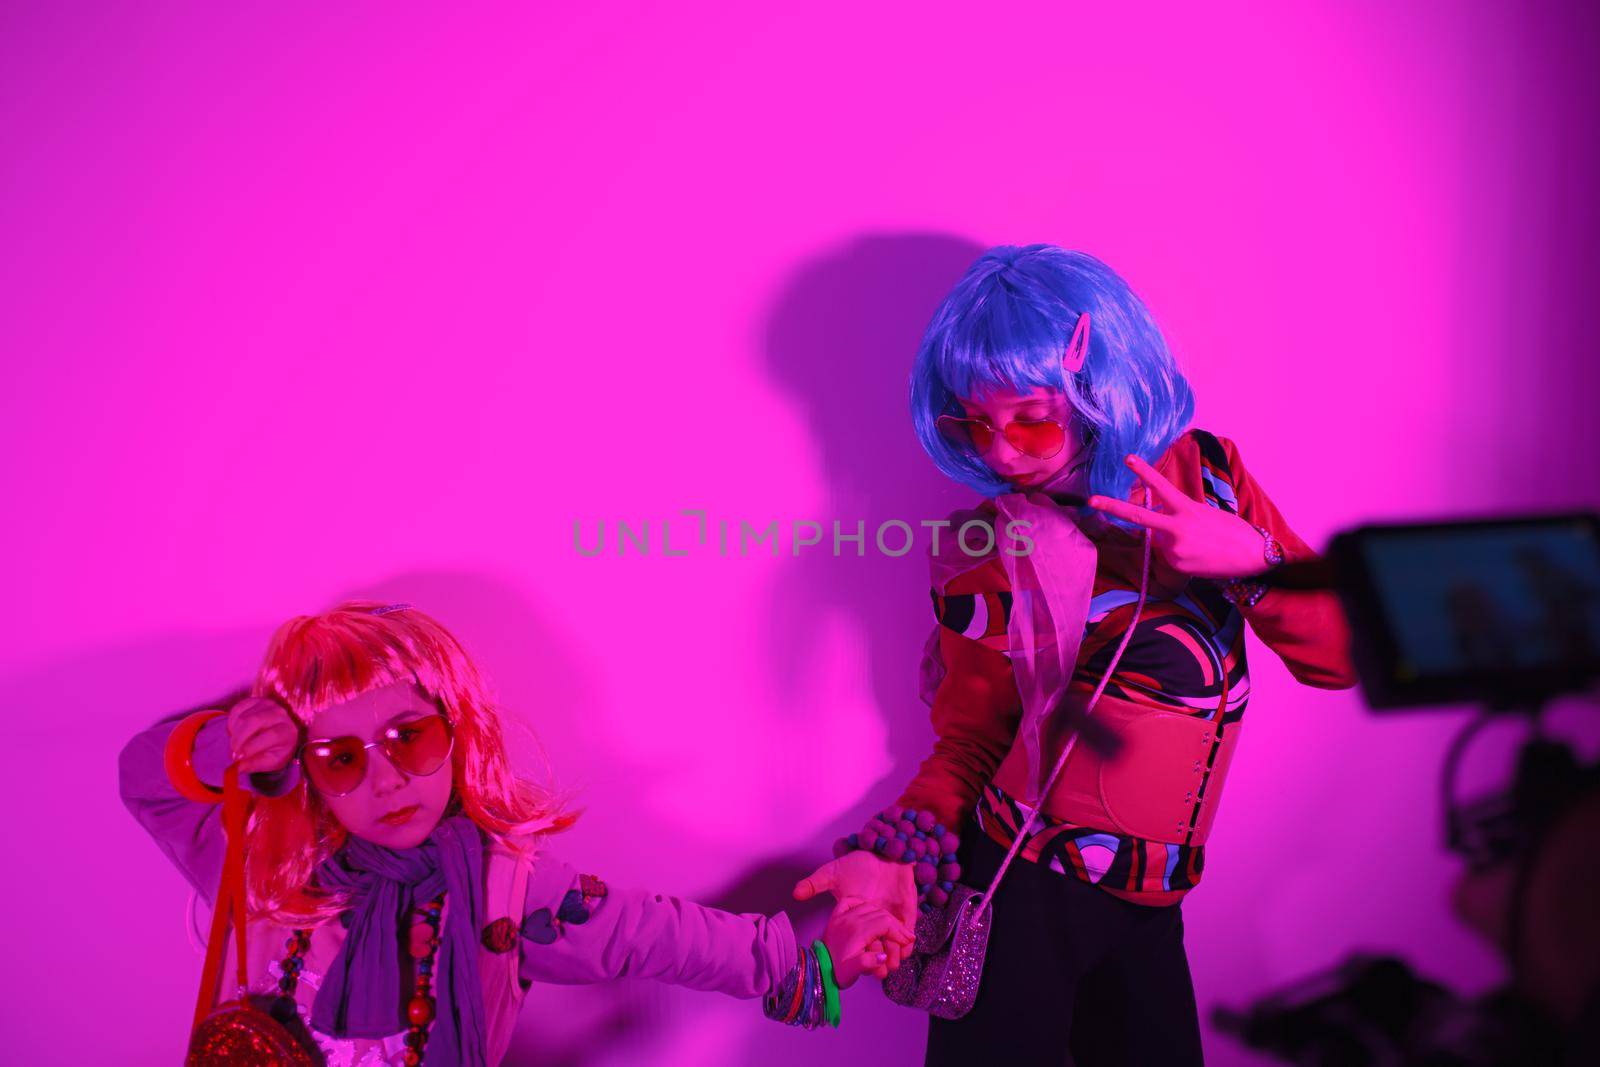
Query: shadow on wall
841	337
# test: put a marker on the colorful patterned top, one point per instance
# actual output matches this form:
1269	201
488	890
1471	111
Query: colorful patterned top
1187	655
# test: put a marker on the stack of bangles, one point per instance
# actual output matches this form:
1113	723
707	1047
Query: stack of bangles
905	835
808	995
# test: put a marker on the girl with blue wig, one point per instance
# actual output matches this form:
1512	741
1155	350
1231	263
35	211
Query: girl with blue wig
1086	671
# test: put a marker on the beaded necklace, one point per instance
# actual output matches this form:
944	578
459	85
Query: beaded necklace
420	1009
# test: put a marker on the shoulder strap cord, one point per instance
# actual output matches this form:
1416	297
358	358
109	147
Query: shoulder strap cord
1061	763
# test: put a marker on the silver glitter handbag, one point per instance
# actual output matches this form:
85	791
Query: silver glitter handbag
941	974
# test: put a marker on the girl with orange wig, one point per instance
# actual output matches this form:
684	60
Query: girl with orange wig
399	897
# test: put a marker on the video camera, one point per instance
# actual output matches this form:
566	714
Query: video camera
1503	613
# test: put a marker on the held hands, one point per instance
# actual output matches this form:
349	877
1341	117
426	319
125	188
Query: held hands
859	937
862	878
1192	537
262	735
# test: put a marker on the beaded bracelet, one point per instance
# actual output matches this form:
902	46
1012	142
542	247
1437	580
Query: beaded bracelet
905	835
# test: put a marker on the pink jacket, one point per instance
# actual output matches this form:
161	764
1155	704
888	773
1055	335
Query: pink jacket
630	933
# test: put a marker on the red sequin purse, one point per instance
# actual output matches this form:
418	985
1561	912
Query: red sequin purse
236	1033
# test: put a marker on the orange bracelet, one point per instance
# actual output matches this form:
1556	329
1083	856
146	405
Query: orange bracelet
178	758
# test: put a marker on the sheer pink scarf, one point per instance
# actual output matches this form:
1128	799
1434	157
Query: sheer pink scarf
1050	564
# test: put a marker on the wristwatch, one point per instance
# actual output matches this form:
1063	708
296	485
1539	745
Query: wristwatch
1271	547
1245	592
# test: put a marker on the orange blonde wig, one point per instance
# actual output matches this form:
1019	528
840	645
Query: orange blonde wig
313	661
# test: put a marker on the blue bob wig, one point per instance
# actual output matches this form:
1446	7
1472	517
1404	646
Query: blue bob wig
1006	324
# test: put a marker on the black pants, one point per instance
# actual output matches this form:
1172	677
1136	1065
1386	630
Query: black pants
1073	977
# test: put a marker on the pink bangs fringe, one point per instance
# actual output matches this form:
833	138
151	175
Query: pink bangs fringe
313	661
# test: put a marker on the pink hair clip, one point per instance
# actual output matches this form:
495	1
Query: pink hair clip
1078	347
387	608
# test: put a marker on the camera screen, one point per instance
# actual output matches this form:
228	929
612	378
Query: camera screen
1486	597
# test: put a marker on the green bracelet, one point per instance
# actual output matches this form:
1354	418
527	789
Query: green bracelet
830	988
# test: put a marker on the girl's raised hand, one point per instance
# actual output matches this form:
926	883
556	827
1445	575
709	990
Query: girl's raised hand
1192	537
859	938
262	735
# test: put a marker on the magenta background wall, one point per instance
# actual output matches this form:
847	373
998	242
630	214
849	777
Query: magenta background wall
382	300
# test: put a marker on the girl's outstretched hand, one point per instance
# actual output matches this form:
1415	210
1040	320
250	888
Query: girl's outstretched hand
262	735
1192	537
858	938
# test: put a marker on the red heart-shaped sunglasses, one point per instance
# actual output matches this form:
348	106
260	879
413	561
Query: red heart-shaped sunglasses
1039	438
418	747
